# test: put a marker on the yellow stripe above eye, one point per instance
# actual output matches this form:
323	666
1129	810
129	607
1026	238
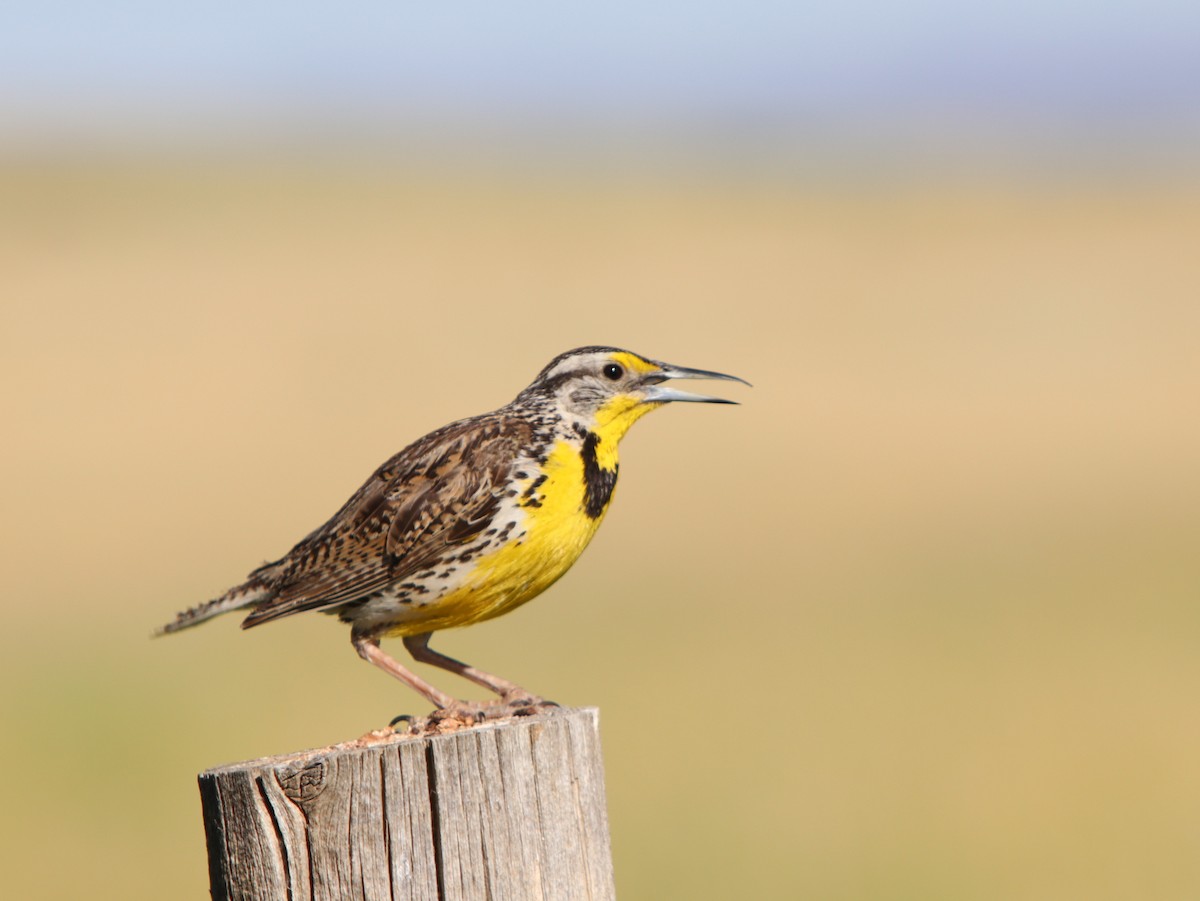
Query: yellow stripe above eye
633	362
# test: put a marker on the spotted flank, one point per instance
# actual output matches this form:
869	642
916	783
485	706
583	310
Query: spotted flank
471	520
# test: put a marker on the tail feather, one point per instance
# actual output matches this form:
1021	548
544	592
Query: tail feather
243	595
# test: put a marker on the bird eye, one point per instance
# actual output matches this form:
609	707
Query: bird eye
613	371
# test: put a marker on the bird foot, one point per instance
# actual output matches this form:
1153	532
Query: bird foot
462	714
522	703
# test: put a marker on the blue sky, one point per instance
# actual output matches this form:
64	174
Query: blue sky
1129	70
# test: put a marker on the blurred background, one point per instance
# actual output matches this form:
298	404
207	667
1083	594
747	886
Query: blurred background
918	620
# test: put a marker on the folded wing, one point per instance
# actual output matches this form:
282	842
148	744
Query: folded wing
434	496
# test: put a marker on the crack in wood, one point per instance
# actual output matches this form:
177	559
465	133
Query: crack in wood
387	825
283	848
435	822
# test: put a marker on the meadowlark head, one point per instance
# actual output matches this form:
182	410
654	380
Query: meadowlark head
606	389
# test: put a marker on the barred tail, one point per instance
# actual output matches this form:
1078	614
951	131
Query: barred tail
243	595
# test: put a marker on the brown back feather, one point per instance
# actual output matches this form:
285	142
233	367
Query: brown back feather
439	492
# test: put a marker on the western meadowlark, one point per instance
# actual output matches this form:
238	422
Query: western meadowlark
470	521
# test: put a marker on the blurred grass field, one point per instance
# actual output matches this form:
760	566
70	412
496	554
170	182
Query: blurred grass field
918	620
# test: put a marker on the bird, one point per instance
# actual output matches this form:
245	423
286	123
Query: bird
468	522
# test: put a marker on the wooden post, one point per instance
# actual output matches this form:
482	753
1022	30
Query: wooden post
508	810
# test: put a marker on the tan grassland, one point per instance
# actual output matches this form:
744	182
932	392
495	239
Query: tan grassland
921	619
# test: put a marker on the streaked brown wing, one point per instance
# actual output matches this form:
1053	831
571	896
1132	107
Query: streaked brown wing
439	492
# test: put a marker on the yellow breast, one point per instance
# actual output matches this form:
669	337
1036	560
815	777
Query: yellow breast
551	532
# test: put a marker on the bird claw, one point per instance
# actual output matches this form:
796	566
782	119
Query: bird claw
471	713
527	705
466	712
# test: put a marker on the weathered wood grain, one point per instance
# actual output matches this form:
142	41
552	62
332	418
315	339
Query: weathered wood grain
507	810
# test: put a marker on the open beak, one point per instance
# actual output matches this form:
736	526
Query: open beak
658	393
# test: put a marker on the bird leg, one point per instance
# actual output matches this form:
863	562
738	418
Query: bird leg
368	649
418	646
518	701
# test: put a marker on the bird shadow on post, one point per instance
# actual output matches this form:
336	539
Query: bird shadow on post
510	809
